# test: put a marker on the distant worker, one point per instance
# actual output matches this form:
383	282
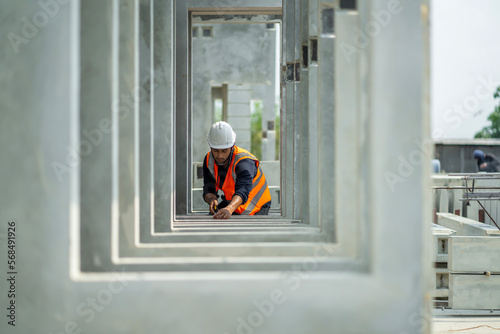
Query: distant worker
486	162
237	173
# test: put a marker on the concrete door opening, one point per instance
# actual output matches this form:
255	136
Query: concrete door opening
235	78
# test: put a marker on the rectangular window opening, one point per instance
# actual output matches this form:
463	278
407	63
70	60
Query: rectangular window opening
290	71
297	71
348	4
305	56
218	110
207	31
314	50
327	20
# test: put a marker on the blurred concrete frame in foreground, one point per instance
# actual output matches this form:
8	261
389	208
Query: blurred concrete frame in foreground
352	105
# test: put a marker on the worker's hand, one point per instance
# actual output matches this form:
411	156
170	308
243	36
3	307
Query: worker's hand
223	214
483	165
211	199
213	206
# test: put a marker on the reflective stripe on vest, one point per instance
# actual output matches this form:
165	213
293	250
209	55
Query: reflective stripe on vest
259	194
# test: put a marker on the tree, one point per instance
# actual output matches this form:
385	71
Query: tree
493	130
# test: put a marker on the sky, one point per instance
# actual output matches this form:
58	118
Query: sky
465	65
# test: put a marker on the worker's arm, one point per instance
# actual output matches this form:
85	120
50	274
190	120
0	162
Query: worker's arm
225	213
209	191
211	200
492	164
245	172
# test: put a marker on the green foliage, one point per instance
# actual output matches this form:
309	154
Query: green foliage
256	130
493	130
217	110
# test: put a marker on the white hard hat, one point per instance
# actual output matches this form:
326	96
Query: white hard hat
221	136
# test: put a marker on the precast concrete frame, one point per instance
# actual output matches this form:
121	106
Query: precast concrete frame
145	224
149	150
235	83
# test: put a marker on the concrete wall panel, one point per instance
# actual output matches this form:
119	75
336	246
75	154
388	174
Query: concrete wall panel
465	226
474	292
474	254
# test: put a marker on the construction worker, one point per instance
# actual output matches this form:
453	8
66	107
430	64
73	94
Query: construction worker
486	162
237	173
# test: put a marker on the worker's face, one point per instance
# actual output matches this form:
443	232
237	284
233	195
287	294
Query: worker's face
221	155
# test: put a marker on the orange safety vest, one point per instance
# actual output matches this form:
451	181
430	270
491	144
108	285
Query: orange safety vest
259	194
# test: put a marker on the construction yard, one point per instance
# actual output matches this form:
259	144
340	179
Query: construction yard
466	246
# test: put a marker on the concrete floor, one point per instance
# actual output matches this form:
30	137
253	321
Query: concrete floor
442	324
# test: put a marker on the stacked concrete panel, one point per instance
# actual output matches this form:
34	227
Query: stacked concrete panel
441	237
473	266
465	226
476	273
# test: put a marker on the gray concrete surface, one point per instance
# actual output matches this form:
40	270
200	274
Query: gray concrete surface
243	57
465	226
475	292
474	254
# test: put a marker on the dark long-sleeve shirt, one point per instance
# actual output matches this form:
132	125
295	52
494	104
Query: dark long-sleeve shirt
245	172
492	164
